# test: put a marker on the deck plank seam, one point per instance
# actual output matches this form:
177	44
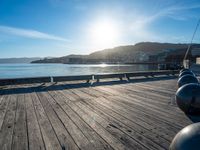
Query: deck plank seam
48	119
90	125
157	117
127	118
14	124
38	122
62	121
26	123
6	97
102	126
109	131
106	96
81	120
141	127
139	101
106	99
135	139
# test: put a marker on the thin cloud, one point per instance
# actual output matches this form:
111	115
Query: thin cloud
27	33
173	11
140	26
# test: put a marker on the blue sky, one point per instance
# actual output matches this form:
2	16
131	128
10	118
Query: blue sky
30	28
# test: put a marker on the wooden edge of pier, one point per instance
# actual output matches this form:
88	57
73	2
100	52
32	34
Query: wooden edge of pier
88	78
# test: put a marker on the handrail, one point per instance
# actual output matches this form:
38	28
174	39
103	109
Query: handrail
97	77
24	80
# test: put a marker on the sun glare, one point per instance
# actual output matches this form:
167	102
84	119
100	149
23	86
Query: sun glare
103	65
104	33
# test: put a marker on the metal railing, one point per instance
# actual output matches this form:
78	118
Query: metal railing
88	78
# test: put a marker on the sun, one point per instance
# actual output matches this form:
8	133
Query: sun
104	33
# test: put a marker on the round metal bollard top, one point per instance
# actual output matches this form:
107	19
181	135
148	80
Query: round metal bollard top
188	78
187	139
186	72
188	98
184	69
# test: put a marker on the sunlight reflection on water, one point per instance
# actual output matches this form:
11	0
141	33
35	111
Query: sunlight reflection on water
35	70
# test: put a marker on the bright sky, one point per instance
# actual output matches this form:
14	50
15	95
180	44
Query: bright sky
60	27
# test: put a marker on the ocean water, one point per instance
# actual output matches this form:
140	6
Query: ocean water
38	70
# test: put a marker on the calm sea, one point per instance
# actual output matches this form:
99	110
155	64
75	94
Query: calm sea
36	70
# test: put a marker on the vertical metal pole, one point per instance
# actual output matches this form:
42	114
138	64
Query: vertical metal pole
51	79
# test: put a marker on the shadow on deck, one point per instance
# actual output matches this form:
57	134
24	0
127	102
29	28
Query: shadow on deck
18	89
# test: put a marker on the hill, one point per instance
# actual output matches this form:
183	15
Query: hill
18	60
139	52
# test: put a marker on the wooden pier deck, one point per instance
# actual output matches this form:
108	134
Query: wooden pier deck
140	114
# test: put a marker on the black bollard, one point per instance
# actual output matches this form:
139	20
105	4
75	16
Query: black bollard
188	78
188	98
187	139
184	69
186	72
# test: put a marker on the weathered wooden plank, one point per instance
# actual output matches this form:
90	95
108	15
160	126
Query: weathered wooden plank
150	101
155	112
167	84
63	135
35	139
1	97
155	102
166	107
158	98
160	88
118	96
121	136
143	119
163	110
131	126
112	123
101	93
74	131
49	136
121	90
129	89
147	111
143	115
155	90
166	113
91	135
3	108
91	91
20	141
131	94
108	137
6	132
108	90
131	143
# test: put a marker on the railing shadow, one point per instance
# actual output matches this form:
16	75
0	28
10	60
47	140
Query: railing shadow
22	89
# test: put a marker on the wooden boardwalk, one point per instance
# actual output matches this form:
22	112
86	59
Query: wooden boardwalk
140	114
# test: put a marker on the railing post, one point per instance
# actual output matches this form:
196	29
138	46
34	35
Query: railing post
51	79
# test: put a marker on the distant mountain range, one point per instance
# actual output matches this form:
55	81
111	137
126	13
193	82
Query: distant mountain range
18	60
139	52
